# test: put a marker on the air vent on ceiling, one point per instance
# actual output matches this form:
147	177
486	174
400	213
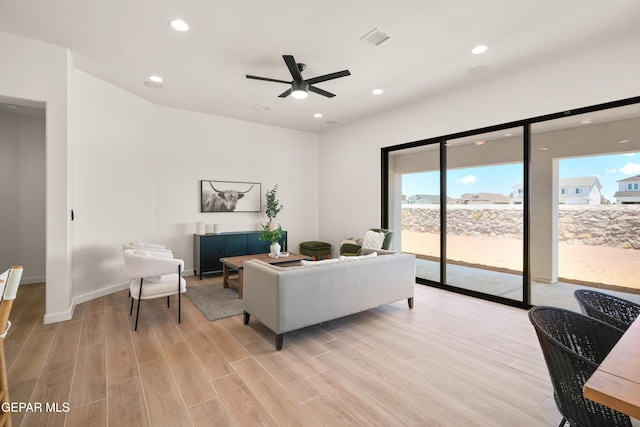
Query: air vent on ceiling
262	107
376	37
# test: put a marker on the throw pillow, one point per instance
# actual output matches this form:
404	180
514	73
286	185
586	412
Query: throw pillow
373	240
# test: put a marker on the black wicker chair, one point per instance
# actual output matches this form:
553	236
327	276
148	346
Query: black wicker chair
574	345
615	311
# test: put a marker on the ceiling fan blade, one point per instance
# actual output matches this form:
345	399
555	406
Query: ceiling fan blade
285	93
293	67
326	77
321	92
267	79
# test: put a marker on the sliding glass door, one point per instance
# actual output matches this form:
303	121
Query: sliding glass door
484	211
523	213
586	206
421	220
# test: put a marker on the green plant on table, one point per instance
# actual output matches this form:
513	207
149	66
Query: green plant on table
269	235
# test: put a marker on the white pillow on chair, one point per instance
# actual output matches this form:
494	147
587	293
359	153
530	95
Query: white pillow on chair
373	240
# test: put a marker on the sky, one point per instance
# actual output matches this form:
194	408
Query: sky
500	179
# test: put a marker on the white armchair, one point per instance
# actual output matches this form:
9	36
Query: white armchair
9	281
153	275
155	247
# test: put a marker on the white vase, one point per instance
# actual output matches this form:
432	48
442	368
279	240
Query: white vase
275	250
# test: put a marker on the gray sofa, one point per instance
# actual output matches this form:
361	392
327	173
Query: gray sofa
289	298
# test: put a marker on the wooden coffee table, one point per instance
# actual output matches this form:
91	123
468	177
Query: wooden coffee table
237	263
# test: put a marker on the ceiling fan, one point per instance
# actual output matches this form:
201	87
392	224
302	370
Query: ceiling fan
299	87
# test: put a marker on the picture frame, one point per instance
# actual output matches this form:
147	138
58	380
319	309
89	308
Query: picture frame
230	196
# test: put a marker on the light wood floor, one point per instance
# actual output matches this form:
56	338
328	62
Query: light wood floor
451	361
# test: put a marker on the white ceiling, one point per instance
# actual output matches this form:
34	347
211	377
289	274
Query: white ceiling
125	41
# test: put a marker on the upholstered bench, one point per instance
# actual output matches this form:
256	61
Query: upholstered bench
315	249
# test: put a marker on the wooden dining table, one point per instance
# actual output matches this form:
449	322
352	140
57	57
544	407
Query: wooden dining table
616	382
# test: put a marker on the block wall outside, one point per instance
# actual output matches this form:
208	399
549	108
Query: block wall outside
603	225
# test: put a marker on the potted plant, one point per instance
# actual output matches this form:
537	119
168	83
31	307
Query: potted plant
273	236
271	232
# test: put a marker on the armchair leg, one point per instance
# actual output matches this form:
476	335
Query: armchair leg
279	340
179	294
168	302
131	309
138	310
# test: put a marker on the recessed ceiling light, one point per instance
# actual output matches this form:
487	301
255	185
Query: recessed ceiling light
179	25
317	115
12	107
543	149
479	49
156	79
586	121
508	134
377	91
479	142
624	141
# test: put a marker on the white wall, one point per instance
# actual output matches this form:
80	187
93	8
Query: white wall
38	72
33	184
350	155
112	133
137	171
22	191
191	147
9	194
131	169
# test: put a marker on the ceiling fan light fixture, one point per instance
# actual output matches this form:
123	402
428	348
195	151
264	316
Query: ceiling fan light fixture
299	90
299	94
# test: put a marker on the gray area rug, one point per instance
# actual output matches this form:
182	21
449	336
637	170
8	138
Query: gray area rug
214	301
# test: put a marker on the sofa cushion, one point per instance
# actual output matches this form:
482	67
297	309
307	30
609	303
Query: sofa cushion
320	263
359	257
373	240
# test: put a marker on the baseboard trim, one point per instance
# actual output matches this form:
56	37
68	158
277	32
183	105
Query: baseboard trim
67	315
32	280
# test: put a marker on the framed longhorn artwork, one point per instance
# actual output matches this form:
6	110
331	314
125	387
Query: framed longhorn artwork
229	196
